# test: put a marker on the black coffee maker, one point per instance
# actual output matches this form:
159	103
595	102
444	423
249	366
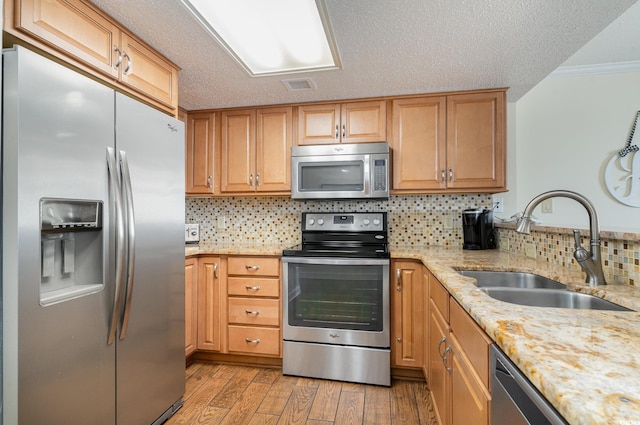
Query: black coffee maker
477	225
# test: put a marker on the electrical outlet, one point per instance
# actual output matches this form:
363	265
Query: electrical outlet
530	250
503	244
498	204
448	221
546	206
221	222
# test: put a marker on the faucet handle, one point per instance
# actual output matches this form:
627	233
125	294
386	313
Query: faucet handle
580	254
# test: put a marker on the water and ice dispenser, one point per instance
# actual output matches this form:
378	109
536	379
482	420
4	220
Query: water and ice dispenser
72	249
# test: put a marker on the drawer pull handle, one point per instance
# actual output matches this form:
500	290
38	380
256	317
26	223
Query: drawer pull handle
252	341
442	341
252	267
252	288
444	358
255	312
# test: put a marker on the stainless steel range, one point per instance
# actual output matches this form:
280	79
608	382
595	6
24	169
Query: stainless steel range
336	299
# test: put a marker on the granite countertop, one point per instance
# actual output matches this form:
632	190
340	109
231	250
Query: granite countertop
585	362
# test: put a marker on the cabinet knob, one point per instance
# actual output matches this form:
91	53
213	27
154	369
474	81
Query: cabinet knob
129	66
337	131
215	270
119	61
398	280
253	313
450	175
252	341
248	267
252	288
209	181
399	339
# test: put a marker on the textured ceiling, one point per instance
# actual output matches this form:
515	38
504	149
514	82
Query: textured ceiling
387	47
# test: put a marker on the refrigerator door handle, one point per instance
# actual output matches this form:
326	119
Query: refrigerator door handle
114	180
131	241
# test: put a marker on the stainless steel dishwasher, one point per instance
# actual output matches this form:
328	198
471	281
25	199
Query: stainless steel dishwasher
514	400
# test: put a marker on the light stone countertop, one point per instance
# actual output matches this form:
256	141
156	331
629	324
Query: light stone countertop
585	362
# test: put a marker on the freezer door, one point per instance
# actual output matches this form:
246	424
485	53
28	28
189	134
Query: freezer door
56	301
150	343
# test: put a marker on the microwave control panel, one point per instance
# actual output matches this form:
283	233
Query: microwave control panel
379	175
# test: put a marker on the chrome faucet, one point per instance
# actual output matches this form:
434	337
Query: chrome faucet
590	261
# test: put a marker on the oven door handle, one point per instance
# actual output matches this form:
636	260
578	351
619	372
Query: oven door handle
337	261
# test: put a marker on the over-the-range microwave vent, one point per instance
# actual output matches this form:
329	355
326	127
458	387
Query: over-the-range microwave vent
299	84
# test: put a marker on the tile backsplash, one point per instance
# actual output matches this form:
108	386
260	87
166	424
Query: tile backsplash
413	219
418	220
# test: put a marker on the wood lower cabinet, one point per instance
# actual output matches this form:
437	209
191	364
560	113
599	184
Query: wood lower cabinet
407	313
200	178
254	309
256	150
352	122
459	362
78	33
191	305
211	305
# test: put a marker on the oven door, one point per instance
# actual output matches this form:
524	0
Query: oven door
341	301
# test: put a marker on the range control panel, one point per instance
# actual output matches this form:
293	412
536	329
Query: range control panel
347	222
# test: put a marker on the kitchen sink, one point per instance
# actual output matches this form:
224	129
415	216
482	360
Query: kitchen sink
541	297
504	279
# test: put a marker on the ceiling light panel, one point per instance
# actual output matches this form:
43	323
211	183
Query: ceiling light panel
270	37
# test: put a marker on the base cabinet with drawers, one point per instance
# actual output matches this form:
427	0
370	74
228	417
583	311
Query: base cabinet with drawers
458	369
238	306
253	301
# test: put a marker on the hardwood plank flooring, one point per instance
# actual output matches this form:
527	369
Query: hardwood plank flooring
239	395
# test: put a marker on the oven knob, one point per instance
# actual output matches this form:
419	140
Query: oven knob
311	222
376	221
320	221
366	221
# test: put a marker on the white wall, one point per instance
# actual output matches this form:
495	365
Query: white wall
566	129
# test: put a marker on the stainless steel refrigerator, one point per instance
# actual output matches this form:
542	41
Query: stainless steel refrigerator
92	251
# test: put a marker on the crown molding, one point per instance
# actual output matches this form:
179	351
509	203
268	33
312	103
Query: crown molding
596	69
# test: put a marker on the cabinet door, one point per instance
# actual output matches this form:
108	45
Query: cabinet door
469	398
238	150
211	293
199	153
408	314
363	122
74	28
191	305
147	72
439	378
318	124
273	154
475	140
418	141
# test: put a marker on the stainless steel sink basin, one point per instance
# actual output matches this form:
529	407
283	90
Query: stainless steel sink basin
551	298
511	279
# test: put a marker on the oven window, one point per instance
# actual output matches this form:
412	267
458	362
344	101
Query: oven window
336	296
331	176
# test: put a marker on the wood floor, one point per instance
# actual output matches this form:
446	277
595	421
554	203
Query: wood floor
224	394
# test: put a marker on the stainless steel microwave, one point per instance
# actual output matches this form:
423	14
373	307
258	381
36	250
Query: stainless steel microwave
345	171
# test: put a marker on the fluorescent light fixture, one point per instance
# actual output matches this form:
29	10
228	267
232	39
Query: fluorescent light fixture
270	37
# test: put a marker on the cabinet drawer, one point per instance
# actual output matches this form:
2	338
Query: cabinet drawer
254	311
252	340
472	339
254	287
440	297
253	266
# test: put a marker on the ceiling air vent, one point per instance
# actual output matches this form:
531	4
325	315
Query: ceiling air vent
299	84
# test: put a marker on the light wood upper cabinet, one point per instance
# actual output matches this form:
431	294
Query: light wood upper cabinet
256	150
475	141
454	143
407	328
199	154
191	305
147	72
418	142
81	34
353	122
